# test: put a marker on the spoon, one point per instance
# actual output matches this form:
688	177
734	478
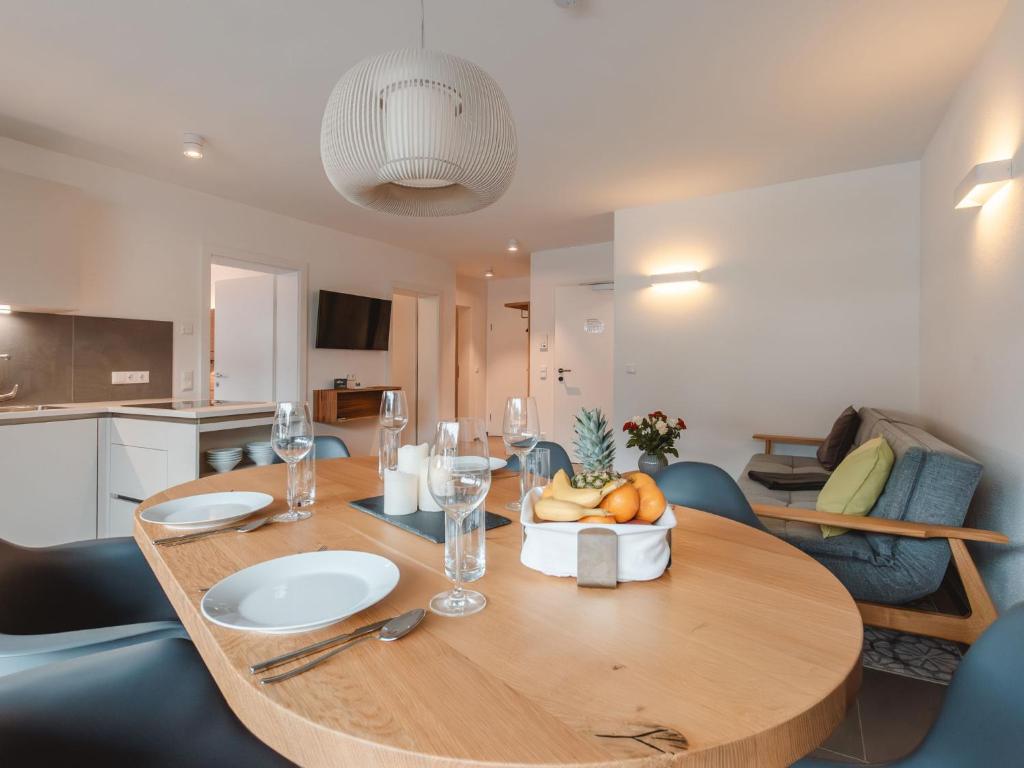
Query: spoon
395	629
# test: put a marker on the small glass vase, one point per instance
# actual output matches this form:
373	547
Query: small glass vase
650	463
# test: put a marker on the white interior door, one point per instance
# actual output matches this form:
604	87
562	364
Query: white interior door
583	354
243	334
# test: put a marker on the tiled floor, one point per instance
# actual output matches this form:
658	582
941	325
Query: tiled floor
889	718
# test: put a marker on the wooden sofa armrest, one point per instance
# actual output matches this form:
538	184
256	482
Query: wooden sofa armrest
879	524
770	440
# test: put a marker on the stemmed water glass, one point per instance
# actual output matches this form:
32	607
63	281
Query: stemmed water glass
394	416
292	438
459	476
521	431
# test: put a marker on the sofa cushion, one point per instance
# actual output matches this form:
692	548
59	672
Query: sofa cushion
839	440
808	537
759	494
857	483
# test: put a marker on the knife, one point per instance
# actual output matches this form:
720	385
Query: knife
277	661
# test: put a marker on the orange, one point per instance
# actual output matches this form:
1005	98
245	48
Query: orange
652	503
607	519
623	503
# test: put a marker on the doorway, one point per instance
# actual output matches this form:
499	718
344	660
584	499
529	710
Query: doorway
256	333
415	354
583	337
463	361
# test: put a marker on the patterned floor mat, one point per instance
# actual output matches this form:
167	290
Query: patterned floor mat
923	658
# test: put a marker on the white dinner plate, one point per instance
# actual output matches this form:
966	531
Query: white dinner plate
298	593
206	510
497	463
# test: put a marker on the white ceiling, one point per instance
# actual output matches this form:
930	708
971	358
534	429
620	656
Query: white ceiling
617	103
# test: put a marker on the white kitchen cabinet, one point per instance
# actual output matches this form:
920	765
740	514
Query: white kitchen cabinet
142	457
48	474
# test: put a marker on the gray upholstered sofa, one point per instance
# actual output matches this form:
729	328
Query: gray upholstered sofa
900	552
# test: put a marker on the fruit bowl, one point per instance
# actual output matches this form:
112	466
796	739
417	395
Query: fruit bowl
644	551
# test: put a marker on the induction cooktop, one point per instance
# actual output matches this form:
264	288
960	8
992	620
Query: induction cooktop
188	405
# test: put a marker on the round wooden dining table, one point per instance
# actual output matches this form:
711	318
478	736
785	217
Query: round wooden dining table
744	653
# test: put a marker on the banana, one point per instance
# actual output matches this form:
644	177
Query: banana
612	485
555	510
562	490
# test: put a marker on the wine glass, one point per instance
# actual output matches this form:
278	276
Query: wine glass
459	476
394	416
521	431
292	438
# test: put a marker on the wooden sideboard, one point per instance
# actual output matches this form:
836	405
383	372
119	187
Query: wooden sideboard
335	406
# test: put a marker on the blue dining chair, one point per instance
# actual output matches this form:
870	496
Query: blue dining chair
326	447
707	488
981	724
153	704
72	599
559	459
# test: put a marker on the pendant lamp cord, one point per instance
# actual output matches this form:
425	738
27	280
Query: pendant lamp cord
423	35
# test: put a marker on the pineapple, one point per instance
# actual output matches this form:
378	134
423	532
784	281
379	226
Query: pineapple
595	448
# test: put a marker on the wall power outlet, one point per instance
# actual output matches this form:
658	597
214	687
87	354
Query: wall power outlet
129	377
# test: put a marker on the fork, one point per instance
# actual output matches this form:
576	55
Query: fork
252	525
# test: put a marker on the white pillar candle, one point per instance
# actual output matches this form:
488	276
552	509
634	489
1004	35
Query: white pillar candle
410	457
399	492
426	500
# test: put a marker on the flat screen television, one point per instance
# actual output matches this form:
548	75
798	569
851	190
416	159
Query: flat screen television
344	321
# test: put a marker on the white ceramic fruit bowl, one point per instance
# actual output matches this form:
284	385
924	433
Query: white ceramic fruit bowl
644	551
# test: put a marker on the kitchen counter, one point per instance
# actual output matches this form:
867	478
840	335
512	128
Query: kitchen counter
131	409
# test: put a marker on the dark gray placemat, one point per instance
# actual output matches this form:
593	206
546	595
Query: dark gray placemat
429	525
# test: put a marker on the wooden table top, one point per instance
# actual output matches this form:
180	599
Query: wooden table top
745	653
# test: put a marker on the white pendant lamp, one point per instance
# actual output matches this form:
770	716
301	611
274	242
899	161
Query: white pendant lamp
418	133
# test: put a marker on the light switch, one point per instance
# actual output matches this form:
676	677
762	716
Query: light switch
543	373
187	381
187	329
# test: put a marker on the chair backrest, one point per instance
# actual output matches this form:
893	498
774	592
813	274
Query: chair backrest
330	447
707	488
981	724
559	459
327	447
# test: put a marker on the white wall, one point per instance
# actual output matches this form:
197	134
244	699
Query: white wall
548	270
402	353
972	297
809	304
143	255
507	350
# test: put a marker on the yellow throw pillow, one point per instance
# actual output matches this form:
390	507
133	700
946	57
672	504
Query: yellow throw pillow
857	483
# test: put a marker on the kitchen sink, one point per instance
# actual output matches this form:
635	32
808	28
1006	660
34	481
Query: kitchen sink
28	408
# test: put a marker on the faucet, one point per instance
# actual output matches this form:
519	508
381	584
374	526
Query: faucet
14	392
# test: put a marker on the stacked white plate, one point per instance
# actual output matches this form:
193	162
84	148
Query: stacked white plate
223	459
260	454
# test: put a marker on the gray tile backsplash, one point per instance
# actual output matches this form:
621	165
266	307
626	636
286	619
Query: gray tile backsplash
69	358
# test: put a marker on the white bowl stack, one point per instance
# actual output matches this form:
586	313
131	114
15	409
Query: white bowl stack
260	454
223	459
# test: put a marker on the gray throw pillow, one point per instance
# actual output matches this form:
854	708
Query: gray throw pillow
839	440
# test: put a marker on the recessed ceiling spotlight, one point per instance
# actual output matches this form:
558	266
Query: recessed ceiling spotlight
192	146
513	245
489	272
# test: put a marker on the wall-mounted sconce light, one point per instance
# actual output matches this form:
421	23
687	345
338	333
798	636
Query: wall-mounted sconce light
983	181
5	309
674	278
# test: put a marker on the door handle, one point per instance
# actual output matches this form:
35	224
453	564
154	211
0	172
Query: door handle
119	497
218	375
561	371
